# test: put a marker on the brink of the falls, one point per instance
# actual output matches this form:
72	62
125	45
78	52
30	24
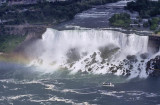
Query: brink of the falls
94	51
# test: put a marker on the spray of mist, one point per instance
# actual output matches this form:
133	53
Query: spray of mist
94	51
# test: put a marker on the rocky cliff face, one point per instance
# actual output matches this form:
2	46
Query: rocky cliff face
32	33
25	29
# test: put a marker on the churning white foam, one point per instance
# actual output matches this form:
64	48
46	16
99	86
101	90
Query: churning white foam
94	51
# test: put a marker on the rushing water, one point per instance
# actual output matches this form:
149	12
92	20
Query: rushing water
22	85
68	67
96	51
96	17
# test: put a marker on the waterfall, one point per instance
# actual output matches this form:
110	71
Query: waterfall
94	51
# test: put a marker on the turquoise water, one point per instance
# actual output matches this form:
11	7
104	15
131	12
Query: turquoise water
21	85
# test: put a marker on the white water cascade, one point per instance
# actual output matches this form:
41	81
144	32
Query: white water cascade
94	51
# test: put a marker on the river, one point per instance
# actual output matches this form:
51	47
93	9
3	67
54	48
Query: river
72	61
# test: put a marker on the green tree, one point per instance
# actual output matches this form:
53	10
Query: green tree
120	20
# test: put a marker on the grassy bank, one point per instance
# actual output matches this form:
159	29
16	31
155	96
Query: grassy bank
9	42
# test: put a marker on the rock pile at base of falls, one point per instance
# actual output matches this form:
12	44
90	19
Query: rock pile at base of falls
153	66
96	63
